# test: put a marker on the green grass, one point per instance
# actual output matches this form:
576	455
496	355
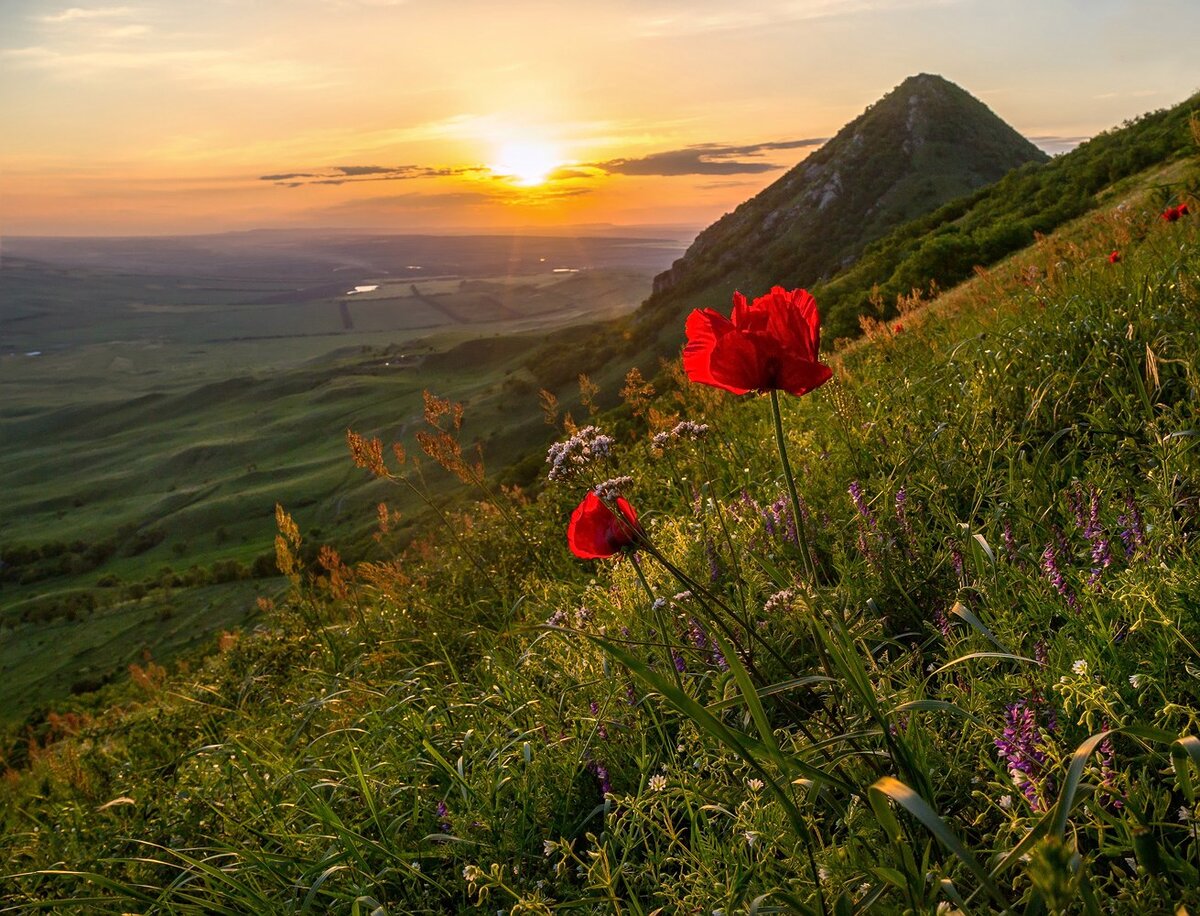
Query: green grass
491	723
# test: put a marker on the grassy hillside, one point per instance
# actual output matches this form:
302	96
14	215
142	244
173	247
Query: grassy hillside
985	699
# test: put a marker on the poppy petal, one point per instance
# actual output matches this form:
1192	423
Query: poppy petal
596	532
737	364
704	330
587	533
794	322
799	377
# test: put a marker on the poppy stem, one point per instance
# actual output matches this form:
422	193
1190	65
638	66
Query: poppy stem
656	609
810	567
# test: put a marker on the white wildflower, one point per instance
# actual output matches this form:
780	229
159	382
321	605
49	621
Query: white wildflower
1006	802
1080	666
754	785
658	782
1136	681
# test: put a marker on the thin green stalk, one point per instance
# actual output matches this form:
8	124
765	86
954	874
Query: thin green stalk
810	567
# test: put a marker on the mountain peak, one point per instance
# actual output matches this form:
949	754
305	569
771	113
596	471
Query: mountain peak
922	144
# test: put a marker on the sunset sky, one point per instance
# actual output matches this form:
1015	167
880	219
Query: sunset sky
158	116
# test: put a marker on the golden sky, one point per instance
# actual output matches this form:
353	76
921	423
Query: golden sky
161	116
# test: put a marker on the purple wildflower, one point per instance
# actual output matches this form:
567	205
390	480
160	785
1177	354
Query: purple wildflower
956	559
860	503
1053	569
942	622
1075	503
631	694
714	561
601	772
779	520
677	660
1010	542
601	731
443	813
1133	530
1107	772
570	456
1041	653
1020	747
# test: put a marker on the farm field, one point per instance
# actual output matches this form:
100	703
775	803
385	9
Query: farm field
153	417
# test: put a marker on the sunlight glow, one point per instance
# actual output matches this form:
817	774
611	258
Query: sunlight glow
527	162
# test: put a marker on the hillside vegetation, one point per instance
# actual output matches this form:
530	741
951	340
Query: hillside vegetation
985	699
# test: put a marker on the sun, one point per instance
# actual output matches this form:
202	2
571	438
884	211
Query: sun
527	162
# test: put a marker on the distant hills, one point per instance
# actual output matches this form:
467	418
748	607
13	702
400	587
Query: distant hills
924	143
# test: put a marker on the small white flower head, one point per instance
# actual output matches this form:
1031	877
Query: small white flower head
1136	681
751	837
754	785
657	782
1080	666
1185	814
823	873
548	847
1006	802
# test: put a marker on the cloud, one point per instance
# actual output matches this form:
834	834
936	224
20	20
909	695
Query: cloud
353	174
76	13
707	159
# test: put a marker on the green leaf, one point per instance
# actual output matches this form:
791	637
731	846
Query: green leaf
890	787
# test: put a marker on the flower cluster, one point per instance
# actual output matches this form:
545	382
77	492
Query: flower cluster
683	430
567	458
1021	747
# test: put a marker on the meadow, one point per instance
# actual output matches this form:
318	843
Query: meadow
162	395
941	658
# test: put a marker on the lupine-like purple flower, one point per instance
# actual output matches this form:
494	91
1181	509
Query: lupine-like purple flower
601	772
1010	542
956	559
868	533
779	522
443	813
714	561
860	503
1041	653
1133	530
942	622
678	661
1107	772
1075	503
1021	749
1053	569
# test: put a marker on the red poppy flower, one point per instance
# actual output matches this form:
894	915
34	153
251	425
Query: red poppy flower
771	343
1173	213
1114	257
1182	210
596	531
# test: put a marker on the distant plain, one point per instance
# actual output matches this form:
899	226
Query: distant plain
162	395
